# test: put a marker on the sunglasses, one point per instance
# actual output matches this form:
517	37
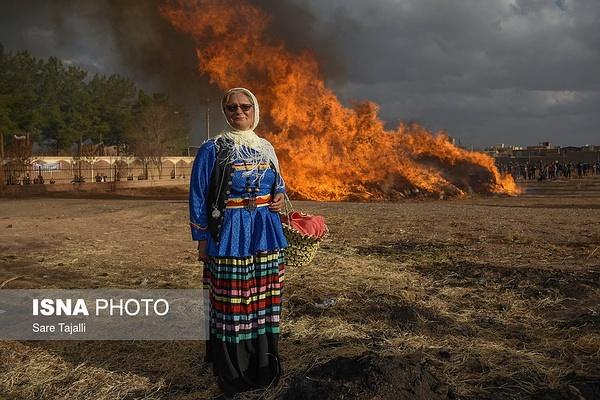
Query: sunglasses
233	107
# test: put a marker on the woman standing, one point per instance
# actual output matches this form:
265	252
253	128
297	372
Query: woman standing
236	192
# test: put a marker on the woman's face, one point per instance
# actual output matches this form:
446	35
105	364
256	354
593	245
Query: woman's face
239	111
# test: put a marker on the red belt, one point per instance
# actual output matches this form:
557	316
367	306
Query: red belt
258	201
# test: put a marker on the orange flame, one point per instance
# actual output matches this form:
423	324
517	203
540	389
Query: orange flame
327	151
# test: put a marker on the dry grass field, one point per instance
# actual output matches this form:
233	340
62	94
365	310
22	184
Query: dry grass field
486	298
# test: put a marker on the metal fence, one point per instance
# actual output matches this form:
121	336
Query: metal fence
65	172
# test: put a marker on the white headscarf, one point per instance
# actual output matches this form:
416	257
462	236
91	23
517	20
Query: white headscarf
246	145
234	131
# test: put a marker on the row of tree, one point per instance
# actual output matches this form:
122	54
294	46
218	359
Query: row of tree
54	102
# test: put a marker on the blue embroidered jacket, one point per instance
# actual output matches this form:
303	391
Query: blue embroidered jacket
242	232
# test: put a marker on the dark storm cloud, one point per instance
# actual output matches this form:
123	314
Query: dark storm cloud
491	71
130	38
512	71
109	36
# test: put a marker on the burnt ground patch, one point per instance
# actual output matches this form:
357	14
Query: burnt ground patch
405	247
414	251
393	310
578	389
368	376
590	206
396	312
530	281
578	289
587	318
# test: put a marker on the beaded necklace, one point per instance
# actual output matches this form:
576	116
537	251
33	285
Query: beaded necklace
252	191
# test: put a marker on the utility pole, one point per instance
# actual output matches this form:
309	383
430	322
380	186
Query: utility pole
29	153
1	162
187	139
79	156
207	118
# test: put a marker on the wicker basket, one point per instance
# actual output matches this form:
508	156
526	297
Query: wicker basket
301	249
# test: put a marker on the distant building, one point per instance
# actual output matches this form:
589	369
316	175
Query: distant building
500	149
544	152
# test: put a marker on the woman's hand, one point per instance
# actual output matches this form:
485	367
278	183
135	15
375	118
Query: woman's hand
277	202
202	256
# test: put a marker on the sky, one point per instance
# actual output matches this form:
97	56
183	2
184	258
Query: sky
517	72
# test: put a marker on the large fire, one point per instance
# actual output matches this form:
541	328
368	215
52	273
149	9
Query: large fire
327	151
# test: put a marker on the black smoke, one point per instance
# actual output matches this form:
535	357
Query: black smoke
132	39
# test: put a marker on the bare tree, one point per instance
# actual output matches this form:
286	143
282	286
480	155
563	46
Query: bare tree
19	156
90	154
156	131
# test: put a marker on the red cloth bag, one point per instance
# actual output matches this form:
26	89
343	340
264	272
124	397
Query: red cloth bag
306	224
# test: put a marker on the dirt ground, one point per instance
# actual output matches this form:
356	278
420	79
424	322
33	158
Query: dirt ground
486	298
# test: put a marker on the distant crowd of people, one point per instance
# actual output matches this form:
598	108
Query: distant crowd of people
15	178
552	170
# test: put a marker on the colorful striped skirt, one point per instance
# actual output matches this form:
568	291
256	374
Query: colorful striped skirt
245	306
